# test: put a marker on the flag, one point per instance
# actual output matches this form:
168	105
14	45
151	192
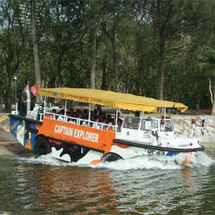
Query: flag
34	89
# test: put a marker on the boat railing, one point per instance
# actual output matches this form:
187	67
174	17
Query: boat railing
77	121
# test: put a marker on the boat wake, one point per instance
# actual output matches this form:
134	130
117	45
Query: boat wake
47	160
150	162
146	162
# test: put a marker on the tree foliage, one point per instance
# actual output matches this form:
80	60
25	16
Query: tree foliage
155	48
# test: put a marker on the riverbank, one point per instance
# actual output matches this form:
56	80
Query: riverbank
9	146
183	126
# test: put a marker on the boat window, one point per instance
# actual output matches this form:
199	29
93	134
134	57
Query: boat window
167	127
149	124
131	123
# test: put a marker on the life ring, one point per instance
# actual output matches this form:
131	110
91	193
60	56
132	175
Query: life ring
42	147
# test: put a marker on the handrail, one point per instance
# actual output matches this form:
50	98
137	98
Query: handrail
78	121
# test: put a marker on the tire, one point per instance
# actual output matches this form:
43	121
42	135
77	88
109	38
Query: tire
42	147
111	156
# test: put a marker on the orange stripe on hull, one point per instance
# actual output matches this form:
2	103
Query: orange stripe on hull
95	162
28	145
122	146
81	135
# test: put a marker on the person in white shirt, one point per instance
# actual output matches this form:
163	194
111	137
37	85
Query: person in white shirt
61	116
96	124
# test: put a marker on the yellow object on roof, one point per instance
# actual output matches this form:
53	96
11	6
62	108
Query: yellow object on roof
110	99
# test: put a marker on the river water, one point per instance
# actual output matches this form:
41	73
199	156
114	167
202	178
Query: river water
136	186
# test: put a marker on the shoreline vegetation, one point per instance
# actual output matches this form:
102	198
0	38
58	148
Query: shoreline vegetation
158	49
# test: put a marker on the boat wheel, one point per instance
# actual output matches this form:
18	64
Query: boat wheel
42	147
111	156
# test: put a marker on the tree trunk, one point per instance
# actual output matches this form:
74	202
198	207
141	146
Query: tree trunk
8	96
213	109
59	68
164	11
104	81
1	108
115	69
161	67
93	47
35	44
197	103
213	96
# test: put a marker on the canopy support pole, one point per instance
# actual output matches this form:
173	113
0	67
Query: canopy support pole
165	112
89	115
169	112
65	108
44	109
28	99
116	120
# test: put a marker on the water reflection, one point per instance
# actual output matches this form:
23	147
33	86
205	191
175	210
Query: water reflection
187	179
70	190
28	188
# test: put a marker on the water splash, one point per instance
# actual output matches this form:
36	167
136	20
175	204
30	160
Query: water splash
45	159
138	163
162	162
203	160
144	162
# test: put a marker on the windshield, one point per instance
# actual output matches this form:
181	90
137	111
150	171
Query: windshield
131	123
167	126
149	124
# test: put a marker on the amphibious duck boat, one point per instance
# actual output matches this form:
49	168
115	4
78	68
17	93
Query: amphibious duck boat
75	139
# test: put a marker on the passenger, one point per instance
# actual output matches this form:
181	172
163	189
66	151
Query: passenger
106	121
109	117
71	112
119	124
77	113
102	117
96	124
72	121
61	117
91	116
110	127
52	116
94	114
131	126
81	115
162	124
137	114
101	120
85	123
134	124
85	113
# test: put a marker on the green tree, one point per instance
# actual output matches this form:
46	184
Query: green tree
11	45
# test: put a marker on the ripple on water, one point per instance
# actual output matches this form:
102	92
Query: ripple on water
139	185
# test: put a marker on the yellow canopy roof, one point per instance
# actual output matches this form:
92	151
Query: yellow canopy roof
111	99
